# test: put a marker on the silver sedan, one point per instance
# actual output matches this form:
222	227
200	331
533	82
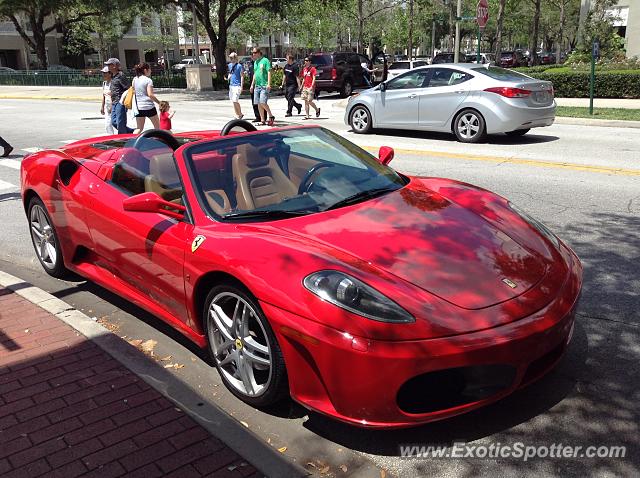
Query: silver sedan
468	100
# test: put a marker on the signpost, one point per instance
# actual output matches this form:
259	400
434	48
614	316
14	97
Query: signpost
595	54
482	16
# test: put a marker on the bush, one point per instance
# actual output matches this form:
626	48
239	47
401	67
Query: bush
608	84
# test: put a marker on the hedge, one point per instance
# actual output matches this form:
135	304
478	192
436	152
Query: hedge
608	84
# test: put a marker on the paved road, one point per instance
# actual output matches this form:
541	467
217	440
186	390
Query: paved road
584	182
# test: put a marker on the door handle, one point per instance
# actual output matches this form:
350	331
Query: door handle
459	92
412	95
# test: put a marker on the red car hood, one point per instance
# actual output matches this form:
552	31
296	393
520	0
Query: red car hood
425	239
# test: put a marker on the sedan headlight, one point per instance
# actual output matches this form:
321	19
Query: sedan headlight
355	296
542	229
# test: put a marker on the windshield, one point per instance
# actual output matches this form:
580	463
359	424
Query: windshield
278	174
501	73
400	65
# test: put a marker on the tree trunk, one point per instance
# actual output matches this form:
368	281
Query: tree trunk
360	27
534	35
499	21
452	26
410	45
559	44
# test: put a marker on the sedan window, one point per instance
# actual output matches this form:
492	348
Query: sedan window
501	73
400	65
413	79
447	77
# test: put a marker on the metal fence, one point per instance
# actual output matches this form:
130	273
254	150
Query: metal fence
79	78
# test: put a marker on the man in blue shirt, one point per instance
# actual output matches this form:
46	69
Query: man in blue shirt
236	82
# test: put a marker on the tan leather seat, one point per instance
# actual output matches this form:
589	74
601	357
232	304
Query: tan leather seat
163	177
260	181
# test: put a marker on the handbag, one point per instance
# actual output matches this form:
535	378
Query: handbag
127	99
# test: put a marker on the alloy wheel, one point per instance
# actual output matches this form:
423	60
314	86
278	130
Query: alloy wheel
240	344
469	126
43	237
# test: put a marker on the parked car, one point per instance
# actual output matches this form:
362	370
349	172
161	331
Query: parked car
61	68
470	101
400	67
448	58
302	266
183	63
512	59
400	57
485	58
5	70
546	57
339	71
278	62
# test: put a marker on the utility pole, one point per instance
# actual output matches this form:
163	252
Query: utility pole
433	36
456	51
410	49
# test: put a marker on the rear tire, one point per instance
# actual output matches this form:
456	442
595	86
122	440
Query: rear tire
518	132
243	346
347	89
469	126
45	239
360	120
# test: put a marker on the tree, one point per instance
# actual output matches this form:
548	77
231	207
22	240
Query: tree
46	16
499	20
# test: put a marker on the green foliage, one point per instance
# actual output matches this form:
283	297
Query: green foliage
608	84
276	77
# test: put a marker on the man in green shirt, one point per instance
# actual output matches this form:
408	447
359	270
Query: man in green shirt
261	85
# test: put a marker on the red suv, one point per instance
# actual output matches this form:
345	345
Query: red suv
511	59
339	71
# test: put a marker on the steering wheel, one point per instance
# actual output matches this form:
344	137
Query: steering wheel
164	136
226	129
306	183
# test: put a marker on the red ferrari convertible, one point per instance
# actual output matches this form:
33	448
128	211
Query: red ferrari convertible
308	267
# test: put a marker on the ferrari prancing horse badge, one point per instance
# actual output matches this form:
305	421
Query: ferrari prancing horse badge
197	242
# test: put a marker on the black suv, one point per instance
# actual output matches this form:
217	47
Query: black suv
339	71
448	58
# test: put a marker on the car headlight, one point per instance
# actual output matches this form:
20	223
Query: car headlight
542	229
355	296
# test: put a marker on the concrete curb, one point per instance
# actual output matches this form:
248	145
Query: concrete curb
211	418
597	122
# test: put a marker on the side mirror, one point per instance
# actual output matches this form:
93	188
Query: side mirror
152	202
385	155
383	86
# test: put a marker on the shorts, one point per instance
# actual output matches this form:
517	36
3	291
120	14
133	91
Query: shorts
234	93
146	113
260	95
307	94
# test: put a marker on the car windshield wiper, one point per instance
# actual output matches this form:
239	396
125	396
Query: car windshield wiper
361	196
265	213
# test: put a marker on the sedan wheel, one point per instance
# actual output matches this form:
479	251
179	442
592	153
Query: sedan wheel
360	120
244	347
45	240
469	126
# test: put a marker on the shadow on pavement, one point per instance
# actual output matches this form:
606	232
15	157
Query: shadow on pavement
450	137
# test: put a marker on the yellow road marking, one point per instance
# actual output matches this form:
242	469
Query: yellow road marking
529	162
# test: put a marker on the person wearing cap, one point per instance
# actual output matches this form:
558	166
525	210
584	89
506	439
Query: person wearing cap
308	87
236	80
105	109
119	86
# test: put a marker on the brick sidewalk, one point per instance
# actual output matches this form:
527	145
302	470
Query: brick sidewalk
68	409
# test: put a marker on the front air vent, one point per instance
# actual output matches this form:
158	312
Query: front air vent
66	170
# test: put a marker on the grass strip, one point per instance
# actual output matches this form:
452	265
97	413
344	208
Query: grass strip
624	114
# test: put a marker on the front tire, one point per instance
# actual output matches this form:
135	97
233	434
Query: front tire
243	346
45	239
360	120
469	126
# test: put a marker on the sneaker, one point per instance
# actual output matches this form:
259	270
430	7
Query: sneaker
287	115
299	108
7	151
271	121
257	120
318	113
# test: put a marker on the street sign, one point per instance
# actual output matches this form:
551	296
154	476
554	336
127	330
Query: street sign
595	51
482	13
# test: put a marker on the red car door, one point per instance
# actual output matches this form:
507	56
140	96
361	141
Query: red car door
144	249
